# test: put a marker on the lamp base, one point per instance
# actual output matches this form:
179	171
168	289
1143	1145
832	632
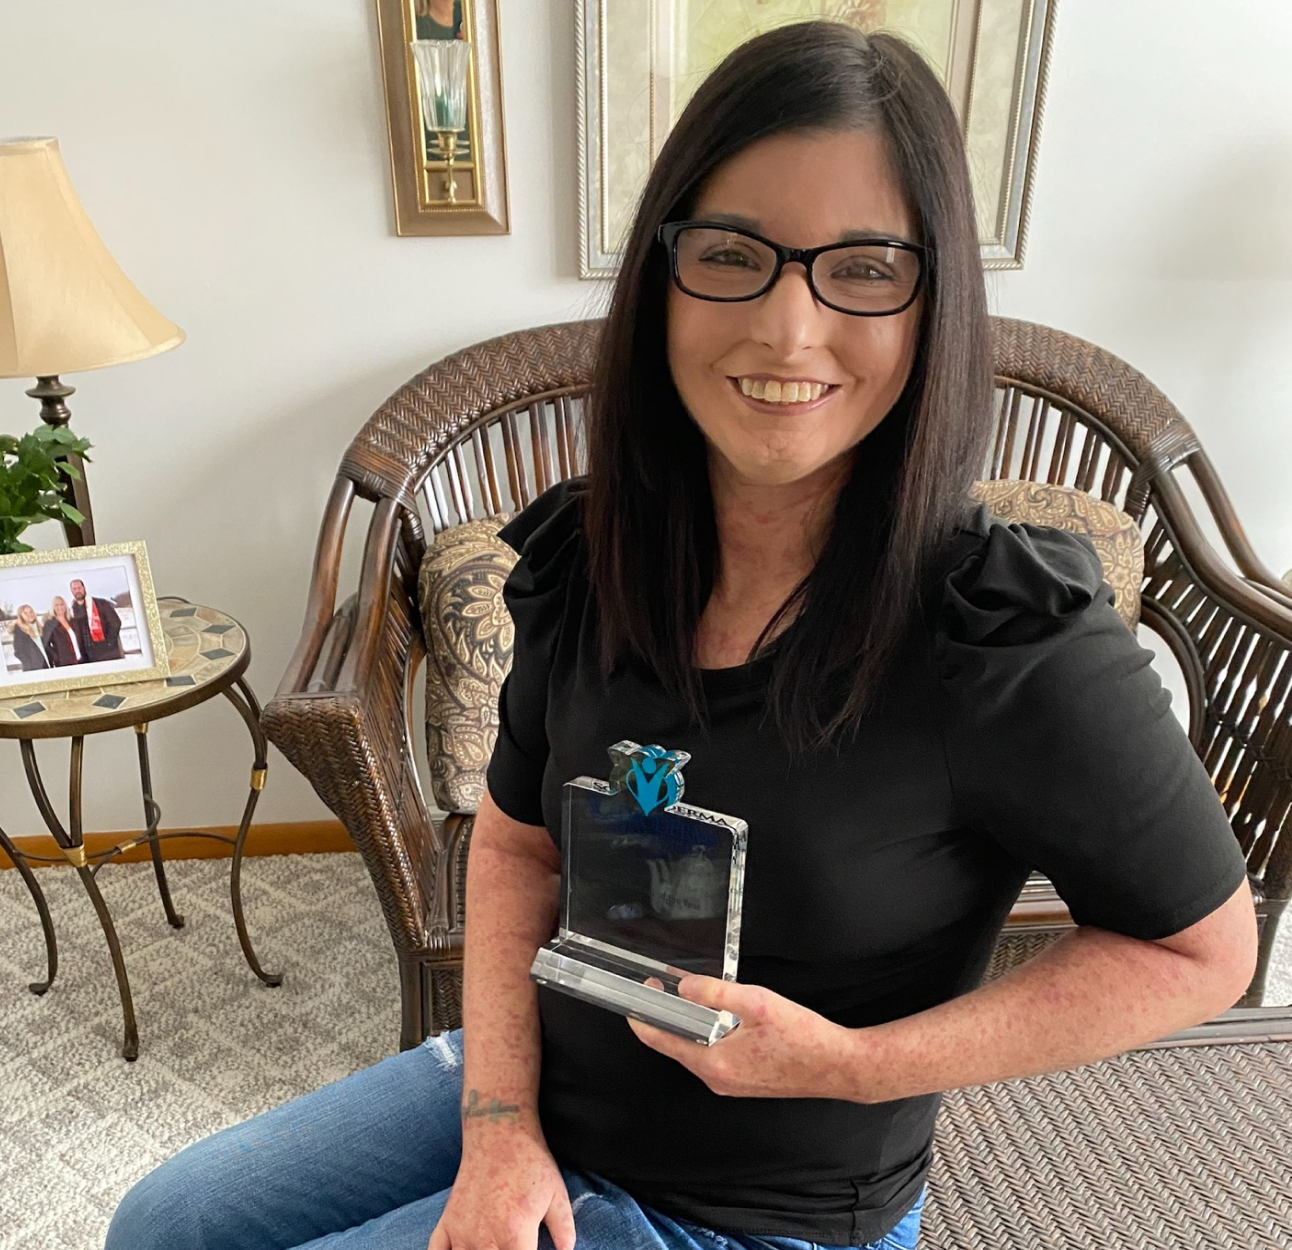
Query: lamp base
54	411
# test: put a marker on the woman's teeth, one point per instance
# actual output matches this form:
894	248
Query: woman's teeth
774	392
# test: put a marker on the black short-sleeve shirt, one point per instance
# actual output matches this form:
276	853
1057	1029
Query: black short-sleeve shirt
1022	729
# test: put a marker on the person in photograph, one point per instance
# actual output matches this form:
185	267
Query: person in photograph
438	19
97	625
26	640
62	646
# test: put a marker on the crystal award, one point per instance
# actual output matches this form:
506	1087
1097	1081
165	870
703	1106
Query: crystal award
650	888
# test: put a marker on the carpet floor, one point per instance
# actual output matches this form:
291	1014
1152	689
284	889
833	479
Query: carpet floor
80	1125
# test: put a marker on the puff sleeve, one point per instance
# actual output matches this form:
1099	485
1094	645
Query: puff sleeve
1061	744
546	537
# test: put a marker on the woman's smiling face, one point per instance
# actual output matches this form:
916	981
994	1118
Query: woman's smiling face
800	190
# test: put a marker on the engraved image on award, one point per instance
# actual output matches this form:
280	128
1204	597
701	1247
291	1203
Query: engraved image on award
650	887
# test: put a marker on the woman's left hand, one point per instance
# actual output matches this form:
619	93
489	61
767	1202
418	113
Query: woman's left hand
779	1049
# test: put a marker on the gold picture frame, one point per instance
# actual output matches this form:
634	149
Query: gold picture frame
126	606
638	61
417	174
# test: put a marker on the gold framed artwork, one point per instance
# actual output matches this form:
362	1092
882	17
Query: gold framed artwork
639	61
476	201
81	616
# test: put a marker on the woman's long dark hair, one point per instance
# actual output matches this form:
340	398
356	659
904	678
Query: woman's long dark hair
648	510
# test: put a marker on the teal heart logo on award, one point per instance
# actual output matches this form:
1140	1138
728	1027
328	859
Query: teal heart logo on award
652	775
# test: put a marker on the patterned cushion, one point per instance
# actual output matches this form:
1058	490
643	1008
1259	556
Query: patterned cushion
1115	536
469	639
469	632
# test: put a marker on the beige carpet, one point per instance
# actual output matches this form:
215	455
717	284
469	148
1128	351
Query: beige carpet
79	1125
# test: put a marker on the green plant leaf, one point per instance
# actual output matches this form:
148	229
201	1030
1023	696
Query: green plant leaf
34	471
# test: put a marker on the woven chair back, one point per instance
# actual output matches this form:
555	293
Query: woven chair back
486	430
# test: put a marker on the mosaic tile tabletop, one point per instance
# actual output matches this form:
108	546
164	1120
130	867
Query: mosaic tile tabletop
202	644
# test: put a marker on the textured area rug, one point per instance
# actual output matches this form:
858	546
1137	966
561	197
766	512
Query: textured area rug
79	1124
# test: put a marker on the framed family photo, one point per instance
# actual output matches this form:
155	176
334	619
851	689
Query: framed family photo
83	616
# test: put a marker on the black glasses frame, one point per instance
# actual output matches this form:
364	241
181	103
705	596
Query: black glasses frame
805	256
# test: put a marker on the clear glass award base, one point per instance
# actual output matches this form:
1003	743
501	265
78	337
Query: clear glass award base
651	887
617	983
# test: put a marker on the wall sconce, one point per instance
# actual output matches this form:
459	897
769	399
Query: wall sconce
442	66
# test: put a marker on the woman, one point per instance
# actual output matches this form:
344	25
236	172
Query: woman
59	635
773	567
438	19
26	640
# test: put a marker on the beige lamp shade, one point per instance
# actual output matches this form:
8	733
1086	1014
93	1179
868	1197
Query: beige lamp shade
65	305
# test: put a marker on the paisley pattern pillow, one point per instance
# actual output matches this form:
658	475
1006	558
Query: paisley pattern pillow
469	633
469	638
1115	536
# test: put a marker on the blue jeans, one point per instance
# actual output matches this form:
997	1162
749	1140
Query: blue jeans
367	1164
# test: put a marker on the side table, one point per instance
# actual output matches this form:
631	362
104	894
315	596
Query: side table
208	653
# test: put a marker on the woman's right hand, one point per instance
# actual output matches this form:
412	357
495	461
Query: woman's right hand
507	1185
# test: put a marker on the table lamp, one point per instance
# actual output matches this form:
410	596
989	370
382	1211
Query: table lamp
65	305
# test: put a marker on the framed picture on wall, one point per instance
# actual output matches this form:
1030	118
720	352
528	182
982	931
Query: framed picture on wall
640	61
435	193
83	616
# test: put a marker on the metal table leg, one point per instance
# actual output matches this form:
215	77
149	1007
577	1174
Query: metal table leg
245	701
73	845
152	817
46	921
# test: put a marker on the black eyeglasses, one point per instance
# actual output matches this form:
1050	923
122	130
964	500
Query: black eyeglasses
864	278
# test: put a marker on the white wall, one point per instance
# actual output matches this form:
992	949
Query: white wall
233	157
1162	222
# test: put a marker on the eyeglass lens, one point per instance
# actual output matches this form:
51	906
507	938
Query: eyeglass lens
722	264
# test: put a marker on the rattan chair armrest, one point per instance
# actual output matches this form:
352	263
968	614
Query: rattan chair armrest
1254	604
336	644
340	716
1231	529
1280	595
319	608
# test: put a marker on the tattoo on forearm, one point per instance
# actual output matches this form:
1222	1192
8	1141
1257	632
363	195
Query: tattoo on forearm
473	1109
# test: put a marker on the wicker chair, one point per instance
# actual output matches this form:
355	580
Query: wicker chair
484	431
